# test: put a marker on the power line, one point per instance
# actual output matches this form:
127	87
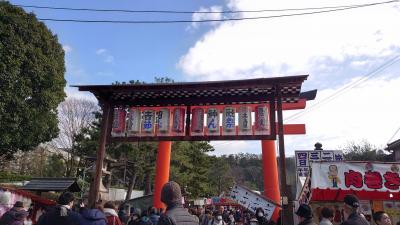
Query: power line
391	138
187	12
211	20
354	84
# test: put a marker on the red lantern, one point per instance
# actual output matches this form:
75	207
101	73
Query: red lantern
197	120
179	120
262	123
118	126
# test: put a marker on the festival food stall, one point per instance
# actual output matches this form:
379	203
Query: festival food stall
376	184
33	203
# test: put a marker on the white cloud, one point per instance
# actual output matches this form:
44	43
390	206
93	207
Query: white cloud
235	147
206	16
73	92
291	45
366	112
107	57
101	51
67	48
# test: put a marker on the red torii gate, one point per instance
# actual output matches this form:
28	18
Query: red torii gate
282	92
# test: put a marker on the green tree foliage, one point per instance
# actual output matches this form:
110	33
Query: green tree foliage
190	167
31	81
55	166
364	151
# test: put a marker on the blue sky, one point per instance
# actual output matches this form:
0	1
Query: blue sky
336	49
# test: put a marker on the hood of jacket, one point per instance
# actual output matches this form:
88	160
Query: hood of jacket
110	212
93	214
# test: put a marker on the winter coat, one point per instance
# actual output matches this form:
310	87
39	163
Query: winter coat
8	217
154	218
177	215
355	219
145	221
55	217
93	217
112	217
307	222
325	221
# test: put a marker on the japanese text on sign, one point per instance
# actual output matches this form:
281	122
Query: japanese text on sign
365	176
303	159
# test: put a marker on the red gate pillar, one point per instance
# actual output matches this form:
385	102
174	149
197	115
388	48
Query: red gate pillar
162	170
270	170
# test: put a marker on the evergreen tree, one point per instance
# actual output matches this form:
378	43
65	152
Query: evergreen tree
31	81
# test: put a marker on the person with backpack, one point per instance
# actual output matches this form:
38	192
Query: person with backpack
111	215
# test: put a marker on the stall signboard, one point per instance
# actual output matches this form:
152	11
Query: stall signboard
304	159
367	176
251	200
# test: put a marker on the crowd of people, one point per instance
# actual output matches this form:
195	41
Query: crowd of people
66	213
352	215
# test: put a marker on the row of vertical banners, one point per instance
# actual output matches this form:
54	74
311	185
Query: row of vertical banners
204	121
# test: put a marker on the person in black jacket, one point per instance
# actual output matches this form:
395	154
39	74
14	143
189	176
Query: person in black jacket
305	215
352	216
175	215
10	215
62	213
262	220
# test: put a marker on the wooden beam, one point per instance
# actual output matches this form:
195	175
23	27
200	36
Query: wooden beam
301	104
94	191
294	129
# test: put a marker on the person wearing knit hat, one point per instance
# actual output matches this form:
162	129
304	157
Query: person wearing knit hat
305	215
175	215
10	215
352	216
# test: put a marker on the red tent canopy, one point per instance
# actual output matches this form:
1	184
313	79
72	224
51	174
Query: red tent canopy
338	195
33	197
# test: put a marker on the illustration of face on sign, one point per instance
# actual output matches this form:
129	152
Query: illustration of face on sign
333	175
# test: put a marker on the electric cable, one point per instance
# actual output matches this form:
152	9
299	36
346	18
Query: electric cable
354	84
211	20
189	12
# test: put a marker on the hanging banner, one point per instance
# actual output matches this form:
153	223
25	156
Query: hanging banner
134	121
213	121
251	200
245	123
179	121
148	124
197	126
356	176
118	125
262	125
163	121
228	121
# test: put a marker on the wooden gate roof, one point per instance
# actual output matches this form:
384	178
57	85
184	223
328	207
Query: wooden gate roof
258	90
